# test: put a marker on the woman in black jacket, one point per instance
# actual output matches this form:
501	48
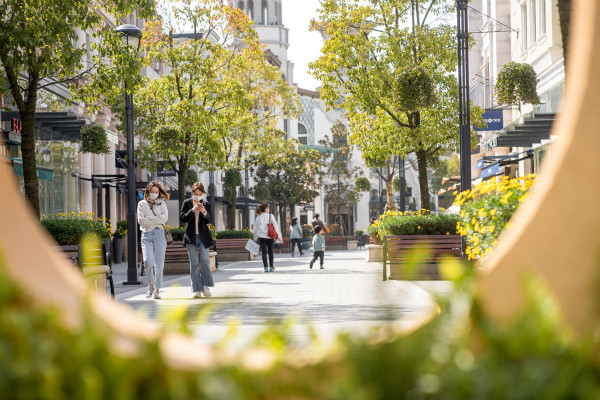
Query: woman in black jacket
195	212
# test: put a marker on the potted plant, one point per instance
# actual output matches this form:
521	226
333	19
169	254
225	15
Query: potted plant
118	235
306	236
352	243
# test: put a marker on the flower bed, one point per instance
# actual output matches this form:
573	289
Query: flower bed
67	229
233	234
486	211
396	223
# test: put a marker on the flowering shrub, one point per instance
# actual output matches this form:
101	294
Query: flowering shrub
233	234
396	223
486	211
121	230
177	232
67	229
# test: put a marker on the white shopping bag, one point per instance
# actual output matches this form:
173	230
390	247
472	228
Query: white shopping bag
252	247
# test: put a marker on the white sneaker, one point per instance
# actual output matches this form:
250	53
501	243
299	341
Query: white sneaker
198	295
157	295
206	291
149	292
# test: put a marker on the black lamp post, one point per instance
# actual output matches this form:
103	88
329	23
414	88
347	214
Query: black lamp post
131	36
463	94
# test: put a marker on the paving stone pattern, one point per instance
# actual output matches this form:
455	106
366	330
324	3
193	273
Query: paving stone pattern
348	296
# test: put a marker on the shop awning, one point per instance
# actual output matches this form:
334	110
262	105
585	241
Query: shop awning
65	124
42	172
320	149
524	132
492	170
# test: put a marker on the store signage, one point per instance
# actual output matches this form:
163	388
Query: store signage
16	125
309	207
494	120
165	170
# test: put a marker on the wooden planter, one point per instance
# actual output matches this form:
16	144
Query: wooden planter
416	257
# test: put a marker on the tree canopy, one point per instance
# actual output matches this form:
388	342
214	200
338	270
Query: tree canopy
392	69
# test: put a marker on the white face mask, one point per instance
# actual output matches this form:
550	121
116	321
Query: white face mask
196	198
153	196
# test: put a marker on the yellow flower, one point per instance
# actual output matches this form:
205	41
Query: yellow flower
418	227
493	212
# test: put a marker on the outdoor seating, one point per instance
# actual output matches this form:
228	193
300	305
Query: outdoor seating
97	262
232	246
336	241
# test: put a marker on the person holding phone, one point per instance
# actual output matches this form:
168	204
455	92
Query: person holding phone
195	212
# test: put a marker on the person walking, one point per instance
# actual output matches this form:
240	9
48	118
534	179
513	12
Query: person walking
261	232
296	236
195	212
318	246
152	215
320	223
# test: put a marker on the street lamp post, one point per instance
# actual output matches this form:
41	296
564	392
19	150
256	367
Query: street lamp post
402	184
132	36
463	94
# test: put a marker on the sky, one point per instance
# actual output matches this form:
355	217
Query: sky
305	46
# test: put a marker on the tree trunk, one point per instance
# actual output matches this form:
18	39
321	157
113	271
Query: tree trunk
282	224
181	187
232	209
32	192
389	186
423	183
564	15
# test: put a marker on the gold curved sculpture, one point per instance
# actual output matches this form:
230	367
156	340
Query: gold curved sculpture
557	230
557	233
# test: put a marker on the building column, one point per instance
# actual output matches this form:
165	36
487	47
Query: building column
86	186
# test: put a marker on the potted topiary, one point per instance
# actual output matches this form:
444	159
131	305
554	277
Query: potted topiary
306	236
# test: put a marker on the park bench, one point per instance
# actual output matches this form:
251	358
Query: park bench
398	253
337	241
177	260
96	263
232	246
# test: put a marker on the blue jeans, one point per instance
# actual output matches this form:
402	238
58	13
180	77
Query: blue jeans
200	276
296	241
154	246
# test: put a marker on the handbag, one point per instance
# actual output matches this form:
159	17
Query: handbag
168	234
272	233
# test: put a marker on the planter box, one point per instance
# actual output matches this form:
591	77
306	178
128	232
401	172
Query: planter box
399	253
235	256
352	244
374	252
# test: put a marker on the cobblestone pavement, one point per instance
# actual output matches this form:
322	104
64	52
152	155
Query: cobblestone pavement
348	296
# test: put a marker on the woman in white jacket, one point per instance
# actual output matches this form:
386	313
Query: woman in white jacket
261	232
152	216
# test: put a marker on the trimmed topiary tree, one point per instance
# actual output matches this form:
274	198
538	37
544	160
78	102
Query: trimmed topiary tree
94	140
517	82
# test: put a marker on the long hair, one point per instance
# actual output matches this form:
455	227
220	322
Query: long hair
198	186
261	208
161	191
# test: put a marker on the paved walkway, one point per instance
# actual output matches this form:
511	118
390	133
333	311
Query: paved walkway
347	296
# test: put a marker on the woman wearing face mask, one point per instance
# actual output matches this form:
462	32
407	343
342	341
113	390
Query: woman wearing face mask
195	212
152	216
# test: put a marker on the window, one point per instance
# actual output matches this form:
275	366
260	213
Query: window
302	134
265	13
524	28
532	15
543	17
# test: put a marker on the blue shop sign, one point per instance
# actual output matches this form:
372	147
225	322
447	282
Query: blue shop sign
479	164
492	170
494	120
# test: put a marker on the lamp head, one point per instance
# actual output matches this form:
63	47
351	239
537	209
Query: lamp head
131	34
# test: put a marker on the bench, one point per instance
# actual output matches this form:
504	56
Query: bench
338	241
232	246
96	263
177	260
399	253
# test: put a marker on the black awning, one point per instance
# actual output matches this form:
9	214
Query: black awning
65	124
524	132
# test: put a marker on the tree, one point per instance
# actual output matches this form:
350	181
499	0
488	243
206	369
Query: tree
289	177
263	98
445	169
233	179
194	104
394	75
339	185
37	51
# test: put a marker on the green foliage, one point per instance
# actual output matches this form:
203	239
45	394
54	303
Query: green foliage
306	230
262	193
177	232
517	82
398	87
68	229
121	230
445	169
94	139
168	135
233	177
441	360
412	206
486	211
396	223
233	234
335	230
228	194
415	88
362	184
191	177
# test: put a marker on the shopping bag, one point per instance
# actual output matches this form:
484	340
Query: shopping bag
252	247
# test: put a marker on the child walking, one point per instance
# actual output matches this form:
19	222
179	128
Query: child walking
318	246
